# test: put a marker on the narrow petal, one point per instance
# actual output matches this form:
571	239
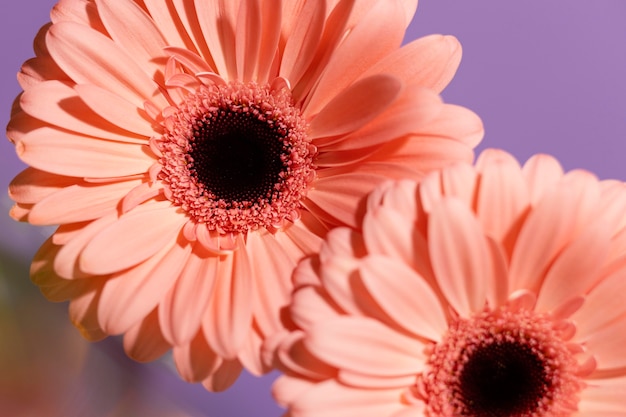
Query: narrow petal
406	115
224	376
271	17
354	107
332	399
302	42
116	110
376	35
131	295
82	156
195	361
549	227
247	38
542	172
217	21
131	27
91	58
144	342
607	345
404	295
83	312
80	202
366	346
229	317
458	123
166	19
430	61
603	397
182	310
460	255
273	268
576	268
32	185
58	104
503	195
342	195
132	239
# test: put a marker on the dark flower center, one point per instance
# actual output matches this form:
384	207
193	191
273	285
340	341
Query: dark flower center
503	379
238	157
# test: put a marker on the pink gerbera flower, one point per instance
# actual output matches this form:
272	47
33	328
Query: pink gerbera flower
487	291
193	151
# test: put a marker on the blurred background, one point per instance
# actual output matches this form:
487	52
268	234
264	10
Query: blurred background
545	76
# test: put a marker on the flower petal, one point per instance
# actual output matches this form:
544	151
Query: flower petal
366	346
183	308
430	61
354	107
228	319
89	57
131	295
80	202
81	156
460	255
132	239
404	295
195	360
542	172
144	342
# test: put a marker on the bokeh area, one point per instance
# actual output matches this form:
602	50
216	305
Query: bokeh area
544	76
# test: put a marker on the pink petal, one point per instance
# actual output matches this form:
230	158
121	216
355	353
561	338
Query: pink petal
84	12
460	255
58	104
430	61
132	239
542	172
131	28
603	398
311	304
404	295
32	185
287	389
130	295
228	319
404	116
181	312
503	195
144	342
247	38
251	354
302	41
273	284
354	107
607	345
378	33
458	123
80	202
217	21
558	215
195	361
576	268
81	156
342	196
366	346
118	111
331	399
271	22
89	57
224	376
83	313
166	19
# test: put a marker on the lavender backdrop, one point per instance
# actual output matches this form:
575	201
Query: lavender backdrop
545	76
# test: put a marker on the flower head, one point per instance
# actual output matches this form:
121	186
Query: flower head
193	152
492	290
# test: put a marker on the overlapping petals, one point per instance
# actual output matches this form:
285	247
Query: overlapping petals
100	95
467	250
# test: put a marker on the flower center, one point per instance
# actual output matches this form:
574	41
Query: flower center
236	157
501	364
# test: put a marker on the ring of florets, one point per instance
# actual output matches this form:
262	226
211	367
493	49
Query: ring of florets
544	367
256	107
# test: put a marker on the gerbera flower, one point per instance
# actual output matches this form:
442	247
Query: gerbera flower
487	291
193	151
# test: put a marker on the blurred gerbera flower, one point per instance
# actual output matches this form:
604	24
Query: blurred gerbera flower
483	291
193	151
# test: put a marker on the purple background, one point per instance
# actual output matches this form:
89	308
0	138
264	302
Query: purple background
545	76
